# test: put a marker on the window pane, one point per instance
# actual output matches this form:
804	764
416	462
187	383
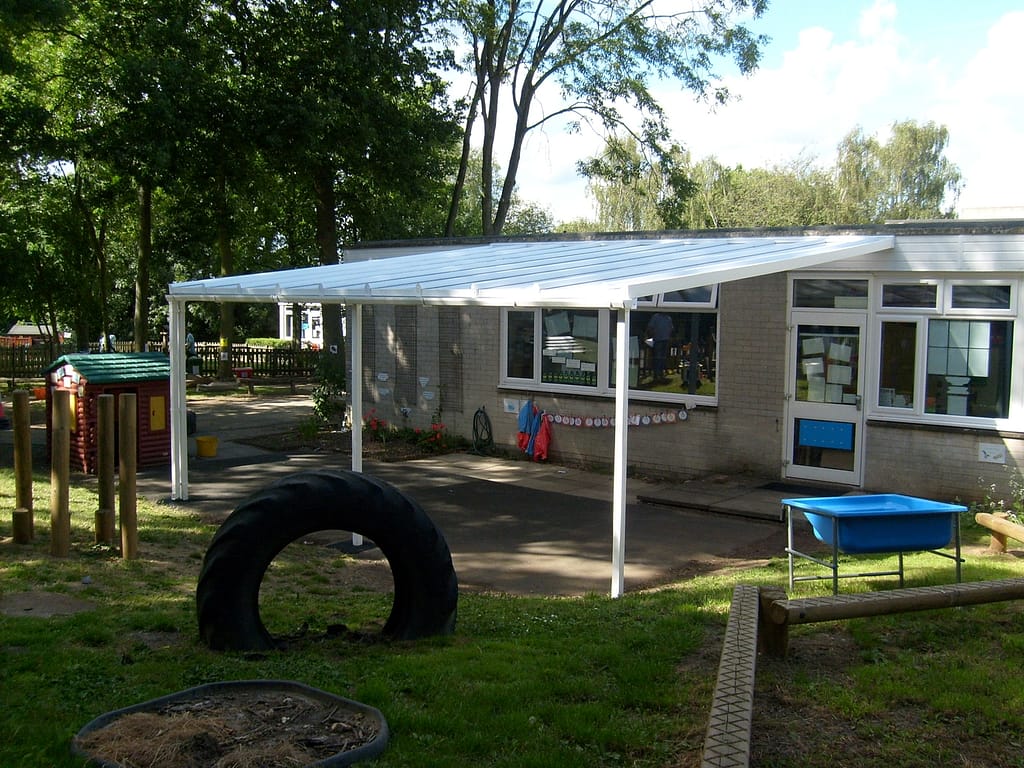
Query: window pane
673	352
700	295
969	363
830	294
569	351
981	296
827	364
898	363
825	444
917	296
520	345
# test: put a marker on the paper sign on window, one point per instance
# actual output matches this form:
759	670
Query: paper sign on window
813	346
840	374
840	352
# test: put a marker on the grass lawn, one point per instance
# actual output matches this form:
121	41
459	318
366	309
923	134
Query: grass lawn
525	682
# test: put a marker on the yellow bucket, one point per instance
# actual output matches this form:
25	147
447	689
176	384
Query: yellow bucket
206	447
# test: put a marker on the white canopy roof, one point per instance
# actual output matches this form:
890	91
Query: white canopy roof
591	273
565	273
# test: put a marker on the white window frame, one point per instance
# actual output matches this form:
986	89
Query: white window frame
935	309
605	387
1014	421
948	309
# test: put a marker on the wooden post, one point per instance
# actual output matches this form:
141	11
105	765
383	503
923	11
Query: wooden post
772	637
24	527
1001	529
60	472
128	439
105	440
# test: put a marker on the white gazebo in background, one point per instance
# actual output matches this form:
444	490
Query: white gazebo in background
594	274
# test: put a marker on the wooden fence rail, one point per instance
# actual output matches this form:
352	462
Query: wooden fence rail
266	362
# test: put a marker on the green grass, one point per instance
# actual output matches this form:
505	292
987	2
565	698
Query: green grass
524	681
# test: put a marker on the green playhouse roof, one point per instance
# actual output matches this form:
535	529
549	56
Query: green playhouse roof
117	367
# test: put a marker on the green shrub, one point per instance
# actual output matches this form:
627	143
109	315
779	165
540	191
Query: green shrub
268	342
330	394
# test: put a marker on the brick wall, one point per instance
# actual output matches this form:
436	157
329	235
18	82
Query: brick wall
945	462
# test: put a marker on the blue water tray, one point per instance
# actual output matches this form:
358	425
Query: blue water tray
875	523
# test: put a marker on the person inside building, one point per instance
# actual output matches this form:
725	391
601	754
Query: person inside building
659	331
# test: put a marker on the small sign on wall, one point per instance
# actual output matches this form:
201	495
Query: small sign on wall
992	453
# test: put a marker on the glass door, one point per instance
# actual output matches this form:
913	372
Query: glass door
825	417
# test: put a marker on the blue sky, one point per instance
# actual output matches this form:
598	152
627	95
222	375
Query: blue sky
833	65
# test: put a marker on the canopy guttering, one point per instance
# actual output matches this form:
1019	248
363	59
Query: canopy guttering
586	273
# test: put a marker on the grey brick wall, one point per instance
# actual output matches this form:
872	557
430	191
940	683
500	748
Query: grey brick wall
938	463
457	349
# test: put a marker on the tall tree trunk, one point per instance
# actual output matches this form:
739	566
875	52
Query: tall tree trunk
515	156
460	179
333	355
145	251
97	245
227	267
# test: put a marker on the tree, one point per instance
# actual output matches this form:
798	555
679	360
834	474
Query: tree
797	194
129	79
907	177
601	57
524	218
348	99
634	192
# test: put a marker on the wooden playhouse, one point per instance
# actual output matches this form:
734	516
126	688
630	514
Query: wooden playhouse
146	375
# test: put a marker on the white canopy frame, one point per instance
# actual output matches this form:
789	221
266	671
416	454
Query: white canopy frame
596	274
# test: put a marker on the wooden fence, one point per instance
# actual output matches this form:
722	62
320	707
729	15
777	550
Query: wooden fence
266	362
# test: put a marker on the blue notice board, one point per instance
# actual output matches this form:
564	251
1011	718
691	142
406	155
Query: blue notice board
826	434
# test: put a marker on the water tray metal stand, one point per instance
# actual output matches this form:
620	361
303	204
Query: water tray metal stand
871	524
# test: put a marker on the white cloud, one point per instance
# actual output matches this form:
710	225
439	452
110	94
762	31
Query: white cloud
984	109
822	89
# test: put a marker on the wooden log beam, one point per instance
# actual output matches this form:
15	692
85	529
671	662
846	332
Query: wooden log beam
778	613
1001	528
853	606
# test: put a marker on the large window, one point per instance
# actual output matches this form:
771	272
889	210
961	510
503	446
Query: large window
670	352
954	360
673	347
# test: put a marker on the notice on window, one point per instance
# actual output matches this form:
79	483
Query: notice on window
813	346
840	352
840	374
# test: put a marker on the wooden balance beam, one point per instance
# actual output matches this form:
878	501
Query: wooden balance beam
1001	529
778	612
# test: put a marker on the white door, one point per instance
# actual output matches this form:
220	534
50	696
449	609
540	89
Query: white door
825	415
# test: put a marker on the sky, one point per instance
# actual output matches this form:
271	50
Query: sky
834	65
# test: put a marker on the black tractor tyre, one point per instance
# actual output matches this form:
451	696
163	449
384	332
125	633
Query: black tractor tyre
227	597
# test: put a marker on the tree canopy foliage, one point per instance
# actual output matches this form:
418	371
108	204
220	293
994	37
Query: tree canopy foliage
172	139
869	182
600	58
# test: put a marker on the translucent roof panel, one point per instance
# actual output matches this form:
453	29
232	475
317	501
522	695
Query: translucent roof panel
588	273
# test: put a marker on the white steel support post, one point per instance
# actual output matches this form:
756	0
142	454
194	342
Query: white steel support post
179	415
621	443
355	388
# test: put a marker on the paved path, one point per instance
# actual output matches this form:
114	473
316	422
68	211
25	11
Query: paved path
512	526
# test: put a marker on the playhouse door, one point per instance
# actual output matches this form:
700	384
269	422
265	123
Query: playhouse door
825	416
